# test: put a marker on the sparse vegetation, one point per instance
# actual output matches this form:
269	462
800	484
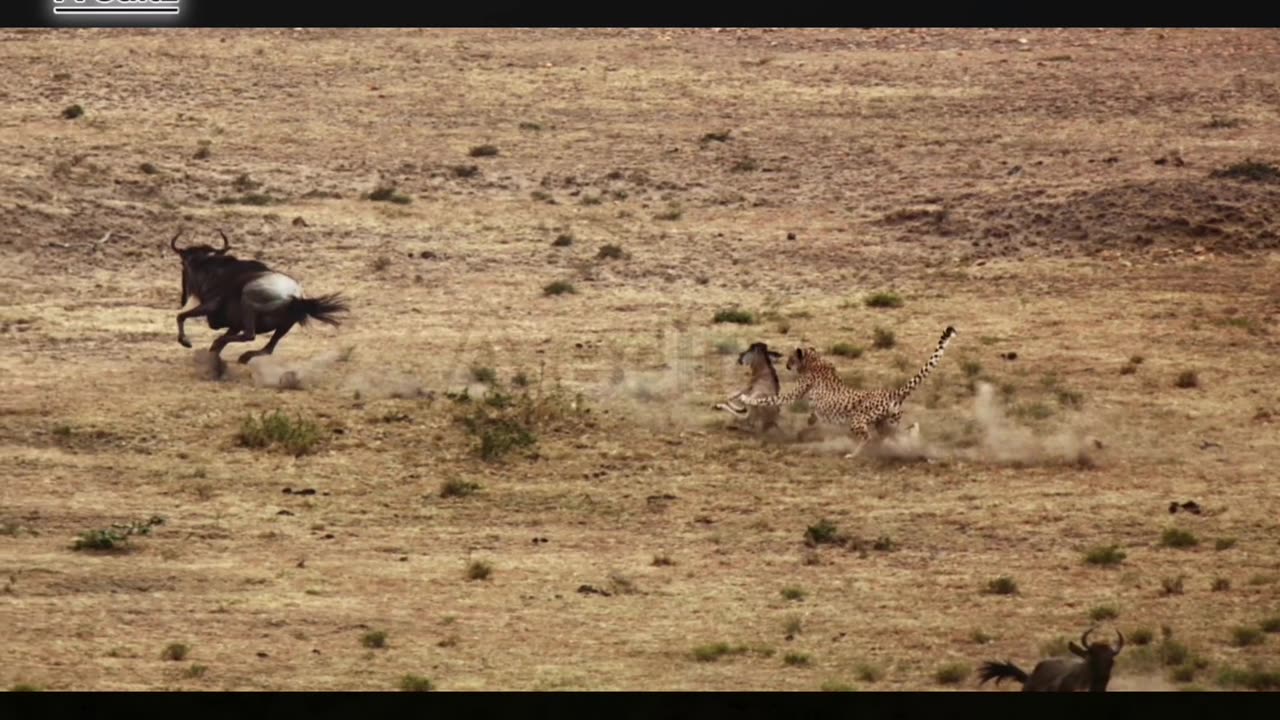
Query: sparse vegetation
1105	555
176	652
611	252
744	165
971	368
1246	636
1178	538
1172	585
1218	122
848	350
457	487
837	686
25	687
374	639
1271	624
71	112
1221	584
979	637
1142	636
792	625
415	683
1249	170
297	435
1253	678
1224	543
195	671
252	198
388	193
884	300
1054	647
663	560
1103	612
562	240
1003	585
484	374
884	339
951	673
796	660
1187	379
793	593
483	151
823	532
672	212
715	651
115	537
734	315
464	171
479	570
869	673
1070	398
559	287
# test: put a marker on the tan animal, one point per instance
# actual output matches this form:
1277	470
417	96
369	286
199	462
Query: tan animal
764	381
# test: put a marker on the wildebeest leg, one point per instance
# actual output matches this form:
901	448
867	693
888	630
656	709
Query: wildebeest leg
203	308
269	347
246	334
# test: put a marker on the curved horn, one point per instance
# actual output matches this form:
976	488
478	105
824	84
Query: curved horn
226	244
1084	639
174	242
1119	645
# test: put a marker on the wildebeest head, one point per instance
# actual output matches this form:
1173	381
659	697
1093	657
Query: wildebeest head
193	255
758	352
1099	657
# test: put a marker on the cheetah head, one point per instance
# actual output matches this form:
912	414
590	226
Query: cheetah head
803	358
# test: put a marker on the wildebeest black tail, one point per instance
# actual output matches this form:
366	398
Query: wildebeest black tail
1001	671
324	308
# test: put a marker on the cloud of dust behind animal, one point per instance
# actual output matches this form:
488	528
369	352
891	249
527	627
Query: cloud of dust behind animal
331	369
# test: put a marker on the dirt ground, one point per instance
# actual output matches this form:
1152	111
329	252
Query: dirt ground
1049	193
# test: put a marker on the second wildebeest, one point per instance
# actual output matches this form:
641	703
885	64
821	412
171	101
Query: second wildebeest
764	381
246	297
1089	671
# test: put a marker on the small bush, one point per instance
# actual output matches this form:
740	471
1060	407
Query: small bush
715	651
793	593
971	368
258	199
837	686
389	194
824	532
559	287
1218	121
1070	398
485	375
1271	624
457	488
175	651
483	151
202	152
115	537
744	165
1055	647
374	639
1183	674
793	625
1128	369
1104	555
1142	636
562	240
1221	584
979	637
195	671
1254	678
670	214
611	252
1187	379
148	168
884	339
1004	585
734	315
883	300
1172	585
479	570
1176	538
71	112
866	672
1103	612
465	171
951	674
1224	543
796	660
1249	170
663	560
843	349
296	436
1245	636
26	687
727	347
415	683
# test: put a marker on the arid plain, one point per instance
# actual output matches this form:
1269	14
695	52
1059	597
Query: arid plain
1097	213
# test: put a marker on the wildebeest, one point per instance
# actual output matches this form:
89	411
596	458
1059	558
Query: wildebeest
246	297
764	381
1091	671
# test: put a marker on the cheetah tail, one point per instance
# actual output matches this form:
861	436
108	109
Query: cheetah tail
947	334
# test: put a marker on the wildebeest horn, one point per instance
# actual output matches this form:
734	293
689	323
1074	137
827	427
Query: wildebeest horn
174	242
226	244
1119	645
1084	639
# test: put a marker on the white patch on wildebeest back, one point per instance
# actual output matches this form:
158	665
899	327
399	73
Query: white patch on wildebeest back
271	290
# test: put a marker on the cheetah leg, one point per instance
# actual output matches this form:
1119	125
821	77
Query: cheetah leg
862	434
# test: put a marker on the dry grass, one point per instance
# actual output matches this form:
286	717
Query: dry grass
1016	227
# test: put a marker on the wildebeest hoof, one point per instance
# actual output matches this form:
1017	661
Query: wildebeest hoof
185	342
246	357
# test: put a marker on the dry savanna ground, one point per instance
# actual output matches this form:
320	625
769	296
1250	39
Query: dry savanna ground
489	485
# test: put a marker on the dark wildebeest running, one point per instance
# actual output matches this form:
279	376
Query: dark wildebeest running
246	297
1090	671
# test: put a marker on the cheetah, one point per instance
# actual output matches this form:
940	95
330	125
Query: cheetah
834	401
763	382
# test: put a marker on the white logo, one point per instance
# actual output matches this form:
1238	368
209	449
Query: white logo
116	7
